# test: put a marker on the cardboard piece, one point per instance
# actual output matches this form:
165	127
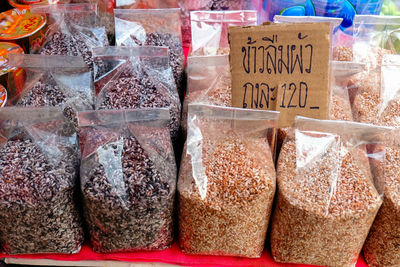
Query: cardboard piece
283	67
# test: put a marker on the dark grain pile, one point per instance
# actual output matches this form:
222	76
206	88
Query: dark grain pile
128	193
47	93
37	210
176	55
133	88
319	203
69	44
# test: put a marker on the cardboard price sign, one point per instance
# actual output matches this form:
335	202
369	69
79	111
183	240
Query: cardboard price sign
283	67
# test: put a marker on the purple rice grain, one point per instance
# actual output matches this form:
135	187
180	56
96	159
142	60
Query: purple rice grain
37	210
176	55
59	43
47	93
131	90
132	208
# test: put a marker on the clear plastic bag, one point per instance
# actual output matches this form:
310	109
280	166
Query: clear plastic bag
328	197
335	23
210	29
146	4
128	177
136	77
342	95
226	182
378	96
153	27
38	170
187	6
52	81
105	14
74	30
370	38
340	102
209	82
381	247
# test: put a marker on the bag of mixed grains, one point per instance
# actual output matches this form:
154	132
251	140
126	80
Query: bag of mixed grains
209	82
210	29
226	182
105	15
327	199
38	170
74	30
128	177
136	77
153	27
381	247
52	81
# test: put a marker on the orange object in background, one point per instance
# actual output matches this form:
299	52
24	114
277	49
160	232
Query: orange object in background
3	96
25	4
6	49
19	23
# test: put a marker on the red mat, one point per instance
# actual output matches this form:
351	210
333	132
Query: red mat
172	255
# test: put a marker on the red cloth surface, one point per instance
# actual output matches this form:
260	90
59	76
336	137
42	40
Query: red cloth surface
172	255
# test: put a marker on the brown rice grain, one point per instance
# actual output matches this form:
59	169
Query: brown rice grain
233	217
313	224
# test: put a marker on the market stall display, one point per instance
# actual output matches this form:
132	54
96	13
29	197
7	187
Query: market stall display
128	176
112	115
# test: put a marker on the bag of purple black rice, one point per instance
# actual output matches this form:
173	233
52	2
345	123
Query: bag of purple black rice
209	82
105	14
210	29
226	182
52	81
153	27
39	160
327	195
382	245
128	177
74	30
187	6
136	77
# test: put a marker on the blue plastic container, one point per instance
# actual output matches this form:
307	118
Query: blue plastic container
371	7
